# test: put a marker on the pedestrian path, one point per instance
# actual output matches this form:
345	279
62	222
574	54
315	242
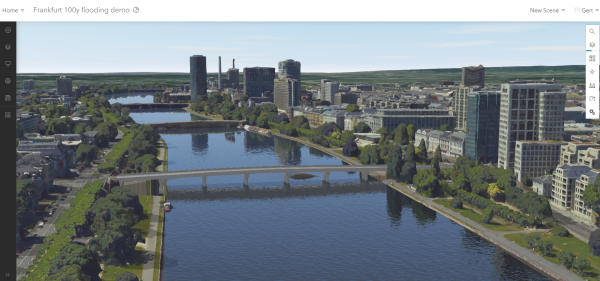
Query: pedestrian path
148	270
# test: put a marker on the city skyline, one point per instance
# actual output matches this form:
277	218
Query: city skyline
166	47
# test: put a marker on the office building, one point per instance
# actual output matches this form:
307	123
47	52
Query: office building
420	118
64	87
348	98
483	111
198	76
28	85
328	90
529	110
533	157
258	80
473	76
287	92
291	67
460	103
29	121
233	75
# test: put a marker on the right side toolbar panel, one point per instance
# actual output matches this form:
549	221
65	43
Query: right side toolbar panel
591	71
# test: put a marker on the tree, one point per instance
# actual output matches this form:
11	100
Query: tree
71	272
427	184
532	240
244	98
85	153
422	151
282	118
560	231
409	170
495	193
410	155
594	242
550	170
444	128
362	127
352	108
350	149
543	246
591	198
262	121
127	276
76	254
300	122
487	215
581	264
410	129
347	136
382	131
566	258
435	164
394	162
456	203
401	135
369	155
461	182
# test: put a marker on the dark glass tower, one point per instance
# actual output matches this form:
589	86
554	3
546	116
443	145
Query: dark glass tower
198	76
483	115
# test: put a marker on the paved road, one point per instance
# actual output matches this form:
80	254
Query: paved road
576	228
34	239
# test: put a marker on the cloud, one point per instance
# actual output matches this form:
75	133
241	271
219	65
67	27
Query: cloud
551	48
460	44
495	28
394	57
201	49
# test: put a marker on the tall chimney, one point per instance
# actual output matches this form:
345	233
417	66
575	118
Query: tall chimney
233	63
220	73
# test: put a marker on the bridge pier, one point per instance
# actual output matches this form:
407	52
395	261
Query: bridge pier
364	175
246	176
204	181
326	177
286	177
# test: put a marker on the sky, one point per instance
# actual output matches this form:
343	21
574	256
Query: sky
100	47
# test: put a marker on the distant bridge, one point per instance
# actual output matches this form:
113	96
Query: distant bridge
246	171
154	105
197	124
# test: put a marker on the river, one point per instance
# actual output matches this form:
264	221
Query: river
346	230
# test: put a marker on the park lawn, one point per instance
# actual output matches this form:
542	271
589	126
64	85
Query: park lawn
144	224
111	273
571	244
476	217
120	148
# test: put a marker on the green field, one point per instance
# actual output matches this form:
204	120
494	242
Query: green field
476	217
571	244
384	78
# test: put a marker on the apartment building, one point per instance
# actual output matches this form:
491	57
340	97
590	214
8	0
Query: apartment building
570	152
579	208
532	157
563	185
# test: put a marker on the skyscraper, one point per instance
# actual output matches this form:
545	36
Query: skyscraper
258	80
460	103
483	113
28	85
220	81
473	76
233	75
64	87
290	67
529	110
287	92
198	76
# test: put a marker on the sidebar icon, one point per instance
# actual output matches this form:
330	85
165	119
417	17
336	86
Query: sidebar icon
592	73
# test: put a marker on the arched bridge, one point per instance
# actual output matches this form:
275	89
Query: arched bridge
246	171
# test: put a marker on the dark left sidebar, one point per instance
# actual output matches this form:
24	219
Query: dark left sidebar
8	116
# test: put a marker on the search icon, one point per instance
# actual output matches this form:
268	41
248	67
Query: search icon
592	31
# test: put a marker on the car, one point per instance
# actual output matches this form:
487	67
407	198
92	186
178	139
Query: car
62	199
580	221
64	196
50	213
41	225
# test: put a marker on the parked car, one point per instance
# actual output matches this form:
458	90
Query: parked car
50	213
41	225
62	199
64	196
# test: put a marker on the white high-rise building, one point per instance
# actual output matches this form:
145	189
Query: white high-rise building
328	90
529	110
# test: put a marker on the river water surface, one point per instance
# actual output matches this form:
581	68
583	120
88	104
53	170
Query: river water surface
345	230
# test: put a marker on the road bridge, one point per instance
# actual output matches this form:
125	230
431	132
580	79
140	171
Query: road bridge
247	171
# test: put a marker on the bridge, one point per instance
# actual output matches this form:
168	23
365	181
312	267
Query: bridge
197	124
154	105
247	171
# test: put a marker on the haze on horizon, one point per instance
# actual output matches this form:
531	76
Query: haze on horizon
128	47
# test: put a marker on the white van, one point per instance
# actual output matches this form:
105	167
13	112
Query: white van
41	225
